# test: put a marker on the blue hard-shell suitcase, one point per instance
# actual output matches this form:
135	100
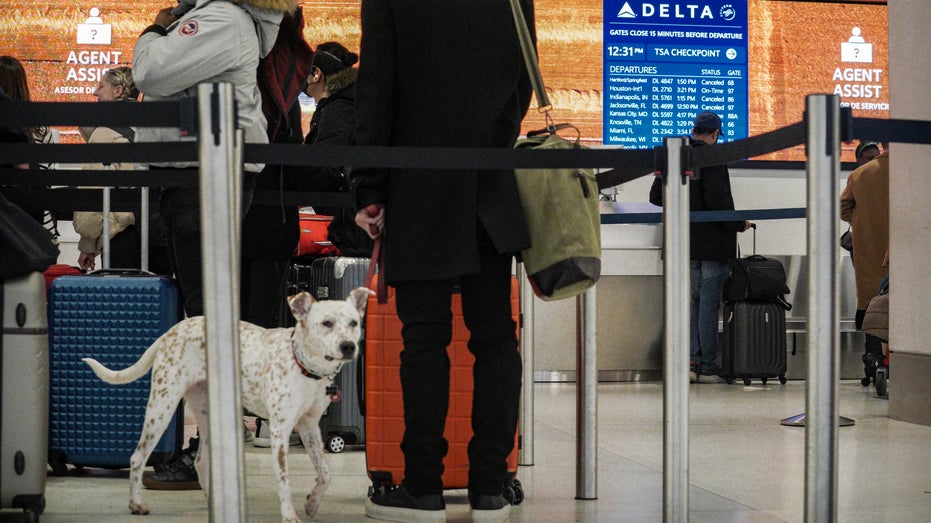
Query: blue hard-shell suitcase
113	317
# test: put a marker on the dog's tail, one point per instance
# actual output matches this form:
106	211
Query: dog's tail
129	374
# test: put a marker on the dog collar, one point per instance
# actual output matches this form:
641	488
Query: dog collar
304	370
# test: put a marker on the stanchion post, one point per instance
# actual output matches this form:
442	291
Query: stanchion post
525	452
220	200
586	418
676	335
823	148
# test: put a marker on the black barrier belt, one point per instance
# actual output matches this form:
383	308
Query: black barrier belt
899	131
708	216
624	165
725	153
67	199
153	152
94	114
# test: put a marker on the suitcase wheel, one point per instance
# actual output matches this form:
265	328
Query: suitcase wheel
335	444
782	379
58	462
30	516
882	383
747	382
865	381
513	492
764	380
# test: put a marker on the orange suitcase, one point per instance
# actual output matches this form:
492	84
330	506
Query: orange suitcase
384	408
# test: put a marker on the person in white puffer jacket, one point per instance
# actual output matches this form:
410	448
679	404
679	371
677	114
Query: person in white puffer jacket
196	42
215	41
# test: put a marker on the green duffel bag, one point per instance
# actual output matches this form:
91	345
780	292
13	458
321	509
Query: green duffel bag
561	209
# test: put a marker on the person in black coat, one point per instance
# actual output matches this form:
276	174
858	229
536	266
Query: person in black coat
711	245
435	73
332	85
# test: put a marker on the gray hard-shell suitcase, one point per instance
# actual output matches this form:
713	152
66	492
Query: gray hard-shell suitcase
24	392
754	341
344	421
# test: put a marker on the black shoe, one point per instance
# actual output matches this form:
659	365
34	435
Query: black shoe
399	505
177	474
489	508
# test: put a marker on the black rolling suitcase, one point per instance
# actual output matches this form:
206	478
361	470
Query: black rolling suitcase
23	394
754	341
113	316
754	344
332	278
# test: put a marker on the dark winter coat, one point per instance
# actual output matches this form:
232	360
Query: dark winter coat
711	191
435	73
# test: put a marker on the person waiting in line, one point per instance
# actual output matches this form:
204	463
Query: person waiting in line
866	151
170	58
12	135
271	231
15	84
451	74
711	245
332	85
116	85
864	203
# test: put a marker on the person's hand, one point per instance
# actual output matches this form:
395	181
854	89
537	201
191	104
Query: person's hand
372	220
86	261
164	17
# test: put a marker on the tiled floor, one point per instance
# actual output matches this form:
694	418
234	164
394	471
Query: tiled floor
744	466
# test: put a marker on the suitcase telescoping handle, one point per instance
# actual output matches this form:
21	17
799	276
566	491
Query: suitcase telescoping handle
752	226
143	218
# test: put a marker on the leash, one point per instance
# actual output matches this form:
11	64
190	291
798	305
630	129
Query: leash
377	262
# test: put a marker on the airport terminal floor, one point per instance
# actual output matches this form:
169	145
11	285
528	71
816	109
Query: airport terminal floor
744	465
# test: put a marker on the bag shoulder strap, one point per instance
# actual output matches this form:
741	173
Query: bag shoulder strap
530	57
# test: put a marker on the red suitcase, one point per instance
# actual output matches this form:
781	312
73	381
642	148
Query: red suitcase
384	414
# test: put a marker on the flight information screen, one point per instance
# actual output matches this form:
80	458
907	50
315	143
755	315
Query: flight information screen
666	62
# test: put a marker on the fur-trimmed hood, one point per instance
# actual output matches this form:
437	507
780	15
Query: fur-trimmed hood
267	15
337	82
277	6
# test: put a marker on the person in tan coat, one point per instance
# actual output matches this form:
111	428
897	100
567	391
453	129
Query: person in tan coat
864	203
115	85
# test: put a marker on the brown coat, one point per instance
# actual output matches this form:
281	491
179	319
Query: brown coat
865	204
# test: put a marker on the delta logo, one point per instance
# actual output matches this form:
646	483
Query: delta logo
689	11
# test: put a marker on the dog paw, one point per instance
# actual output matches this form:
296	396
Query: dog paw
139	508
310	507
290	519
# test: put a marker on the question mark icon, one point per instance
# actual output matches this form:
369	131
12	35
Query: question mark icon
93	34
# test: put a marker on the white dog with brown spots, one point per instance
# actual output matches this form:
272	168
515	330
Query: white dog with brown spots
285	375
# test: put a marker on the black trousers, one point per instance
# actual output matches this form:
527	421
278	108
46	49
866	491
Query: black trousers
180	213
424	311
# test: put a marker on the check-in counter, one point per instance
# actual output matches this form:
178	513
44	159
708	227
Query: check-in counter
630	311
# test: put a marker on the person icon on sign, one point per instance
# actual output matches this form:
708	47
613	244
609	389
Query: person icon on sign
856	49
93	30
855	36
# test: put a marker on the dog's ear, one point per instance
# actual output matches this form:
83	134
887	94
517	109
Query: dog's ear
359	298
300	304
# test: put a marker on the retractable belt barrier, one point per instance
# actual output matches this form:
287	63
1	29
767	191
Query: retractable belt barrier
624	164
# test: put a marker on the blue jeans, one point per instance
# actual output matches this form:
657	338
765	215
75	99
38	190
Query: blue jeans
707	281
